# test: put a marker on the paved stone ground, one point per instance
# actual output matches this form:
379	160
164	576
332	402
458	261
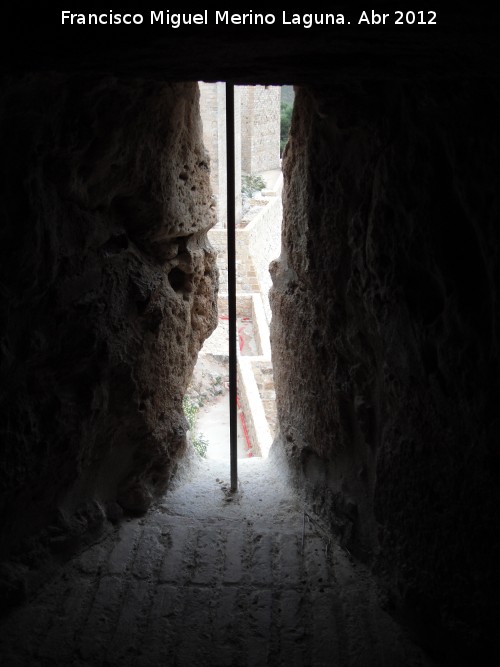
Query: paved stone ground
210	579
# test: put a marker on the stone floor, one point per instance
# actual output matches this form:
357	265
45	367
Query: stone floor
207	578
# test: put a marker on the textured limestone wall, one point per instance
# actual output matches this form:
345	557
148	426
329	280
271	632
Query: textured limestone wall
109	289
210	94
385	339
385	299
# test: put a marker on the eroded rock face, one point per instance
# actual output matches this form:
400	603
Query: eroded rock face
384	339
109	292
385	332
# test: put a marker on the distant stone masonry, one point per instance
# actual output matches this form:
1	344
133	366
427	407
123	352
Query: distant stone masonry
213	114
260	130
257	244
258	235
257	134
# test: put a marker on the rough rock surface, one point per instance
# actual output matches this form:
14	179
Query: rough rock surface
384	335
210	579
108	296
386	296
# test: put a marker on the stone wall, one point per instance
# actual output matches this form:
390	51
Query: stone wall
257	245
260	128
110	287
213	116
255	380
384	338
263	238
246	276
386	300
257	135
263	372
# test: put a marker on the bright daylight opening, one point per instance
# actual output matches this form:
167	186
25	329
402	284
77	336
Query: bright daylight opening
262	121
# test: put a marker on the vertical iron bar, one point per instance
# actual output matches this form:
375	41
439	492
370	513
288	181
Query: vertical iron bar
231	269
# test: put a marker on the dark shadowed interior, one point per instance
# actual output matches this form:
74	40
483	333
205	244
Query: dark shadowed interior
384	333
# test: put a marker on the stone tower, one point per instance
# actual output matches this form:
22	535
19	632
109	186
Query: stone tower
260	128
257	135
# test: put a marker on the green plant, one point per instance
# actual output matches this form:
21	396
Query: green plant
190	411
251	184
286	121
200	443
